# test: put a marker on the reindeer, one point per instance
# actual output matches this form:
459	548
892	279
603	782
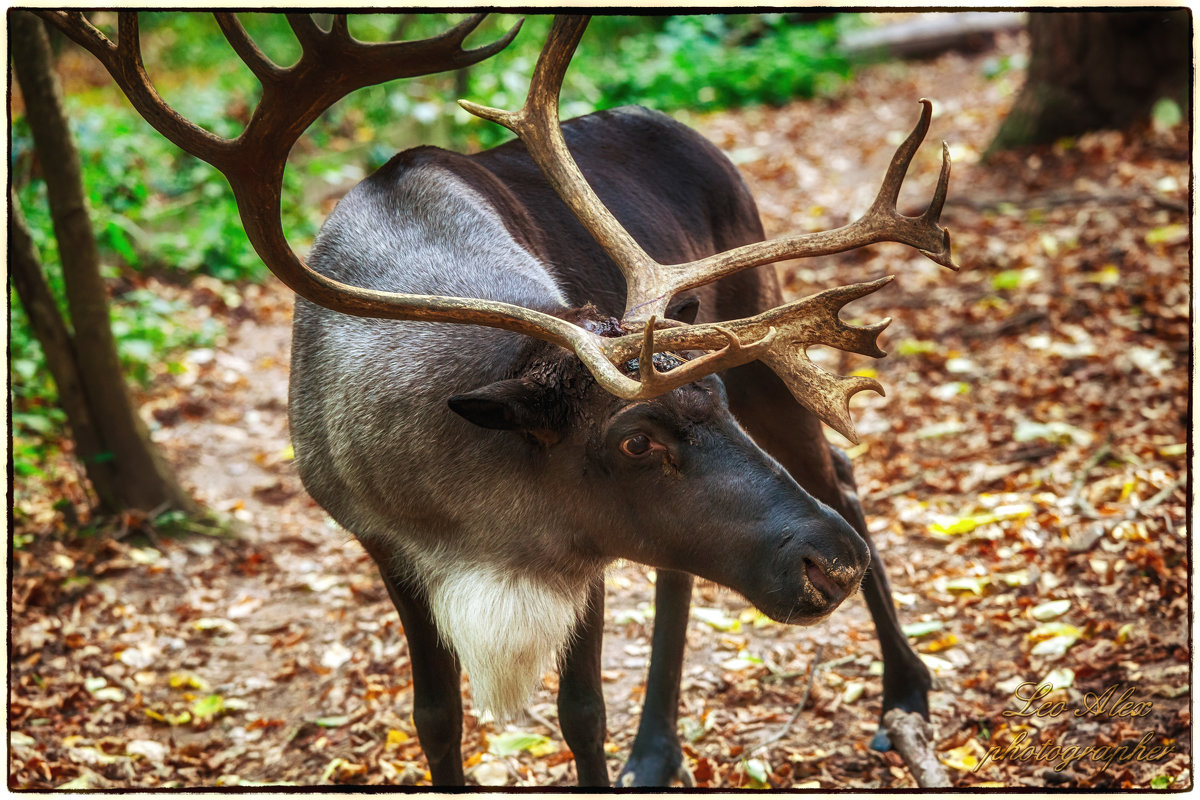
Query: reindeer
510	369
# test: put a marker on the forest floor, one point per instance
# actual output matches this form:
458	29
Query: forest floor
1024	478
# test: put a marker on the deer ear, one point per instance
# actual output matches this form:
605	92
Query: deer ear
511	405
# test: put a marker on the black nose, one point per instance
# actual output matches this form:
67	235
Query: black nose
834	560
833	578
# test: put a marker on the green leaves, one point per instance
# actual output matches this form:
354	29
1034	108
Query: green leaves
513	742
708	62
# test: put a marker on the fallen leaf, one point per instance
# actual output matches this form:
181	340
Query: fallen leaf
513	742
716	619
1049	610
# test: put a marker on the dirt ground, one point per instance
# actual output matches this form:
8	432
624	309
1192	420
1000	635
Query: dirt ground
1023	478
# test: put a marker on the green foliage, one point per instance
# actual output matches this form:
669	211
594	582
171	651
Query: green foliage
704	62
699	62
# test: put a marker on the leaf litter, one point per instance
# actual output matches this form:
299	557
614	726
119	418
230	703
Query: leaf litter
1057	360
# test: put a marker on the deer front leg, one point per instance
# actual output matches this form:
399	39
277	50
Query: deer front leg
437	685
580	696
656	757
906	679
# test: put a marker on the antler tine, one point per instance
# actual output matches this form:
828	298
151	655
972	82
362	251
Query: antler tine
889	190
306	30
266	70
934	212
341	27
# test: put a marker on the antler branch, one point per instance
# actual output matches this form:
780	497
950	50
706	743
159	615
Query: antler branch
536	123
266	70
780	338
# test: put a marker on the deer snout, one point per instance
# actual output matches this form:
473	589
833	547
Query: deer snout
825	570
835	578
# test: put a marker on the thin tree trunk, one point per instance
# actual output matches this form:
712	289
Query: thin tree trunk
51	332
135	475
1090	70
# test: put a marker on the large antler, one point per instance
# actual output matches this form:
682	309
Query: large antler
778	337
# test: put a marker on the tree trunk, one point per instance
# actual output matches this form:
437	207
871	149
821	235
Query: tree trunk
125	469
1090	70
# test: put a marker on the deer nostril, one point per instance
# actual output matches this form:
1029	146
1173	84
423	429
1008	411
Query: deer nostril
822	582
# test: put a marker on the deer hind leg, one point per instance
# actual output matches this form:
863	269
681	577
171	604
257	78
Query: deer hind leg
437	683
656	757
581	711
906	679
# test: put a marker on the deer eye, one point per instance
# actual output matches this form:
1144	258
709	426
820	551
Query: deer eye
637	445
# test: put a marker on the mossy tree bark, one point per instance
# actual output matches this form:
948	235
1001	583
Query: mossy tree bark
125	469
1090	70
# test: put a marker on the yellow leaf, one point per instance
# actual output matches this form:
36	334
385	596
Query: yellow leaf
396	737
546	748
331	768
966	524
184	680
1049	610
974	585
938	665
715	618
865	372
965	758
1175	233
1020	578
1053	647
288	453
1053	639
755	618
1108	275
942	643
1049	630
1049	244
